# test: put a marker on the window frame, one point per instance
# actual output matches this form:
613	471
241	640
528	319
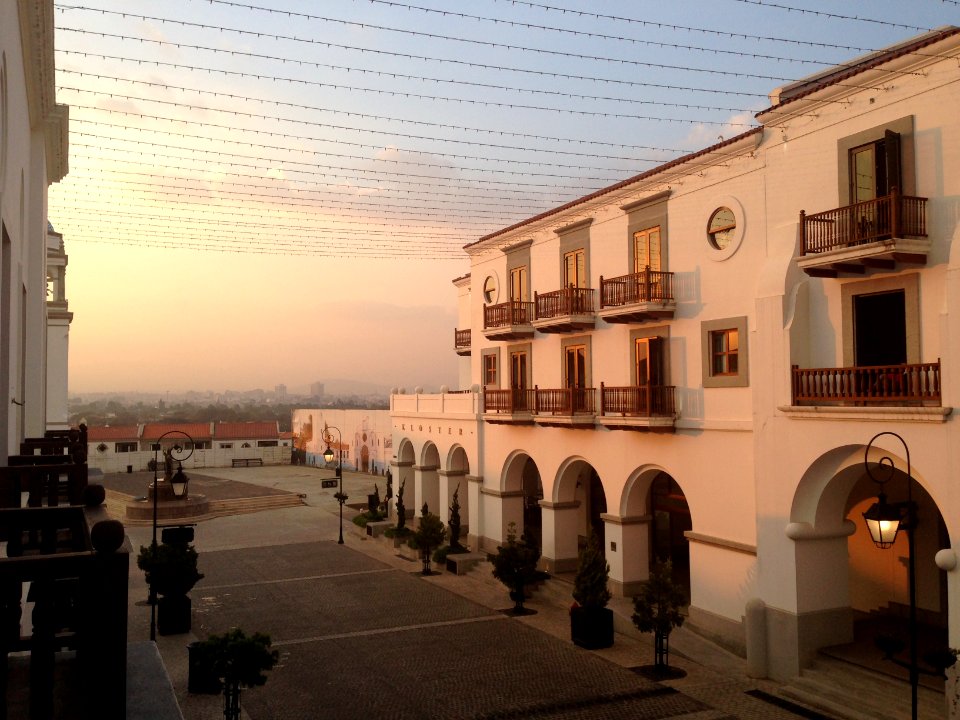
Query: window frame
490	355
125	447
708	329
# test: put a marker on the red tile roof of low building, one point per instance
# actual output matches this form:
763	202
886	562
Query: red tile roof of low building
113	432
197	431
286	435
247	430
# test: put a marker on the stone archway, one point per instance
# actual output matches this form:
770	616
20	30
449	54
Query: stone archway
403	470
520	496
427	480
453	479
867	586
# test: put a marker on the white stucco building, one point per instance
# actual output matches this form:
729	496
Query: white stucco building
33	154
692	362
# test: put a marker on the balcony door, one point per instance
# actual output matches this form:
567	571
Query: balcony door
518	284
518	379
646	249
880	328
649	368
575	372
875	168
574	269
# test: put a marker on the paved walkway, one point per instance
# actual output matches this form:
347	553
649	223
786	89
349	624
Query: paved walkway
361	634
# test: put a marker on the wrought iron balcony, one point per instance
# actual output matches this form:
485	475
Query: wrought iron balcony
638	297
881	385
875	233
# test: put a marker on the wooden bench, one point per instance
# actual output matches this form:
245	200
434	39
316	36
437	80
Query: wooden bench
247	462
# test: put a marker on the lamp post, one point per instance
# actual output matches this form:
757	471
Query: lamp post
178	484
328	457
884	520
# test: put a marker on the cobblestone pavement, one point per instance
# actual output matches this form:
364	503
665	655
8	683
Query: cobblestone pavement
362	634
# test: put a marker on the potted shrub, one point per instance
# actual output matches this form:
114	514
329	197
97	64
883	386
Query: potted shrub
658	609
429	535
591	621
515	565
237	661
171	572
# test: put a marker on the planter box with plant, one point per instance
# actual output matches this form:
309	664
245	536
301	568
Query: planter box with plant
234	660
171	572
591	621
515	565
428	536
658	609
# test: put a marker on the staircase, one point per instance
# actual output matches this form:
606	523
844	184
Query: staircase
237	506
851	692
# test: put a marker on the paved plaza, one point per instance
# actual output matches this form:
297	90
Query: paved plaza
362	635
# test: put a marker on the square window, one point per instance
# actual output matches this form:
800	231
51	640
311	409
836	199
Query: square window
724	352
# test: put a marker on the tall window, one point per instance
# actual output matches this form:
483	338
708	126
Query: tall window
518	283
724	348
518	370
576	366
574	269
490	370
649	354
646	249
875	168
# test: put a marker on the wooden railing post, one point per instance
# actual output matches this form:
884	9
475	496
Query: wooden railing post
895	212
601	293
603	403
646	284
803	232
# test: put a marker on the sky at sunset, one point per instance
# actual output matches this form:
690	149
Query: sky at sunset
279	191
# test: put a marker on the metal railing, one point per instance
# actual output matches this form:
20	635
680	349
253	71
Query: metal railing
890	216
917	384
638	401
640	287
568	301
512	312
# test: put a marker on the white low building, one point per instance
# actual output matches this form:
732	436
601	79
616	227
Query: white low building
692	363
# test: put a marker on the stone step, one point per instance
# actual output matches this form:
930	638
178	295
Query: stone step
851	692
236	506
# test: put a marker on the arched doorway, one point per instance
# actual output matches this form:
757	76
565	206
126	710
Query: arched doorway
532	495
428	481
670	520
364	459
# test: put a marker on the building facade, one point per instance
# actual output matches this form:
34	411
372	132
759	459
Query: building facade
33	154
691	364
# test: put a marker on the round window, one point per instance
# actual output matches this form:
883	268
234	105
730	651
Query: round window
490	289
721	227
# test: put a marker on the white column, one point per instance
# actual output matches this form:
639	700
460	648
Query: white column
559	552
627	552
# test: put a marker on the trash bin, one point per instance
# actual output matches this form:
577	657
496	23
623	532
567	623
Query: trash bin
200	678
129	469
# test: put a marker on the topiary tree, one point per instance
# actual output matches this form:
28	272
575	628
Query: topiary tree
401	510
428	536
515	565
657	609
238	661
593	572
454	524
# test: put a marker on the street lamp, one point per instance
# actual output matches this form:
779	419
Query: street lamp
178	484
328	457
884	520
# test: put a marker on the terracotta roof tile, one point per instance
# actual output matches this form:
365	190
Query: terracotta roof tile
198	431
246	430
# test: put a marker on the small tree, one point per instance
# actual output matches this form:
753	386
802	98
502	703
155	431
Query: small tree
428	536
590	584
454	524
657	609
238	661
515	565
401	510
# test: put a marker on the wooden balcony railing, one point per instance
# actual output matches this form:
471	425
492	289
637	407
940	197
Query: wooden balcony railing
512	400
512	312
641	287
568	301
566	401
461	339
77	645
890	216
638	401
874	385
